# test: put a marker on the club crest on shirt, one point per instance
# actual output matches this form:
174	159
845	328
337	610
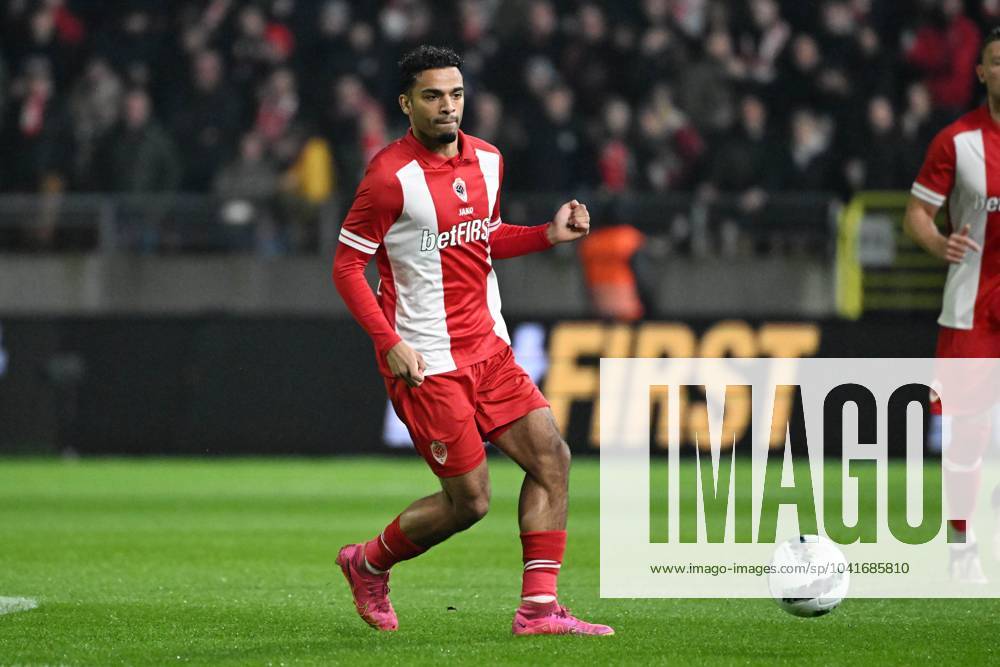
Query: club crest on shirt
459	187
439	451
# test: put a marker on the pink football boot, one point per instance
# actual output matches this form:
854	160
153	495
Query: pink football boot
558	622
371	591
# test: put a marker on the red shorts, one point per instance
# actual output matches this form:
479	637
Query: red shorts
981	342
451	414
973	386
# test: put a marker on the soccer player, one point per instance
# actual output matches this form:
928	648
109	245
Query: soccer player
428	210
962	170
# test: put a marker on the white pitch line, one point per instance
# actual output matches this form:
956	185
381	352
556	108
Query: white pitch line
13	605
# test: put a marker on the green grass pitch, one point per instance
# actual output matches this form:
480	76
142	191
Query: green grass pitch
231	562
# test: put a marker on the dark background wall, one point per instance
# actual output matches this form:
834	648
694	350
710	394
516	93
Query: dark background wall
219	385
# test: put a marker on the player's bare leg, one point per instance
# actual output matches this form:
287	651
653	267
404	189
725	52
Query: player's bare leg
462	501
534	443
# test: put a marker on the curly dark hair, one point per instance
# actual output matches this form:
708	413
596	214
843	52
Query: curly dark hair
425	57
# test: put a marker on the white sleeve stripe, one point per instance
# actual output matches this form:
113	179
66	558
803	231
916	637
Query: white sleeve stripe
924	190
358	239
357	246
927	194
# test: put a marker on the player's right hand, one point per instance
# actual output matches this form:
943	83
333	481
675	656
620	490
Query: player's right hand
405	362
958	244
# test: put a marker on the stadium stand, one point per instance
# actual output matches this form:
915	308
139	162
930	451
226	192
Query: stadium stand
268	111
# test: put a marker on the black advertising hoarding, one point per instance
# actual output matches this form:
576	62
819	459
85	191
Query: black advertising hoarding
192	386
308	386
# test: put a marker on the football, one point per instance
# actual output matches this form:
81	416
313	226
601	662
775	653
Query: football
809	576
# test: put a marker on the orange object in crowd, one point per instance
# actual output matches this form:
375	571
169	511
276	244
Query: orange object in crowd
606	255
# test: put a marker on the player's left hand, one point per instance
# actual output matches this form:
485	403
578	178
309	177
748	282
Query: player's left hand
571	222
958	244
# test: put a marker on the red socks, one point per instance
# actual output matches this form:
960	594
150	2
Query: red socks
543	554
390	547
962	467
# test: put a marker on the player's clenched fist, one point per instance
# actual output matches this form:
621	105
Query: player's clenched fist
405	362
571	222
958	244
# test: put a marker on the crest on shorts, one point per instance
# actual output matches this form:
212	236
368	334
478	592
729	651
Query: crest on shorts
459	187
439	451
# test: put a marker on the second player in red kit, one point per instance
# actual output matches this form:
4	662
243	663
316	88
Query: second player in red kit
961	173
428	211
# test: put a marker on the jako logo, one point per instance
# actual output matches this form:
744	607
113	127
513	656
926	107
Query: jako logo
991	205
463	232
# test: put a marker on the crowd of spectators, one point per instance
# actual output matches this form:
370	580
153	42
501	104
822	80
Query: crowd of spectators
286	100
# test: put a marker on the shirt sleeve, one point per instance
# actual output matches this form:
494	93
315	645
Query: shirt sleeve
377	204
514	240
937	176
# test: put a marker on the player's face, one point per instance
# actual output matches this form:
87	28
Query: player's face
989	69
435	105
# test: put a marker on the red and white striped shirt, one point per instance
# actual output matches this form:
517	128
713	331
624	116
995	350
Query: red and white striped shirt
962	170
433	225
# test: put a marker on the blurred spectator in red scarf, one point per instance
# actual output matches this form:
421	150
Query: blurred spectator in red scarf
945	51
36	135
279	104
615	161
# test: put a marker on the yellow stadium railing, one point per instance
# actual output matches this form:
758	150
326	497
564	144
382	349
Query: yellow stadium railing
911	281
